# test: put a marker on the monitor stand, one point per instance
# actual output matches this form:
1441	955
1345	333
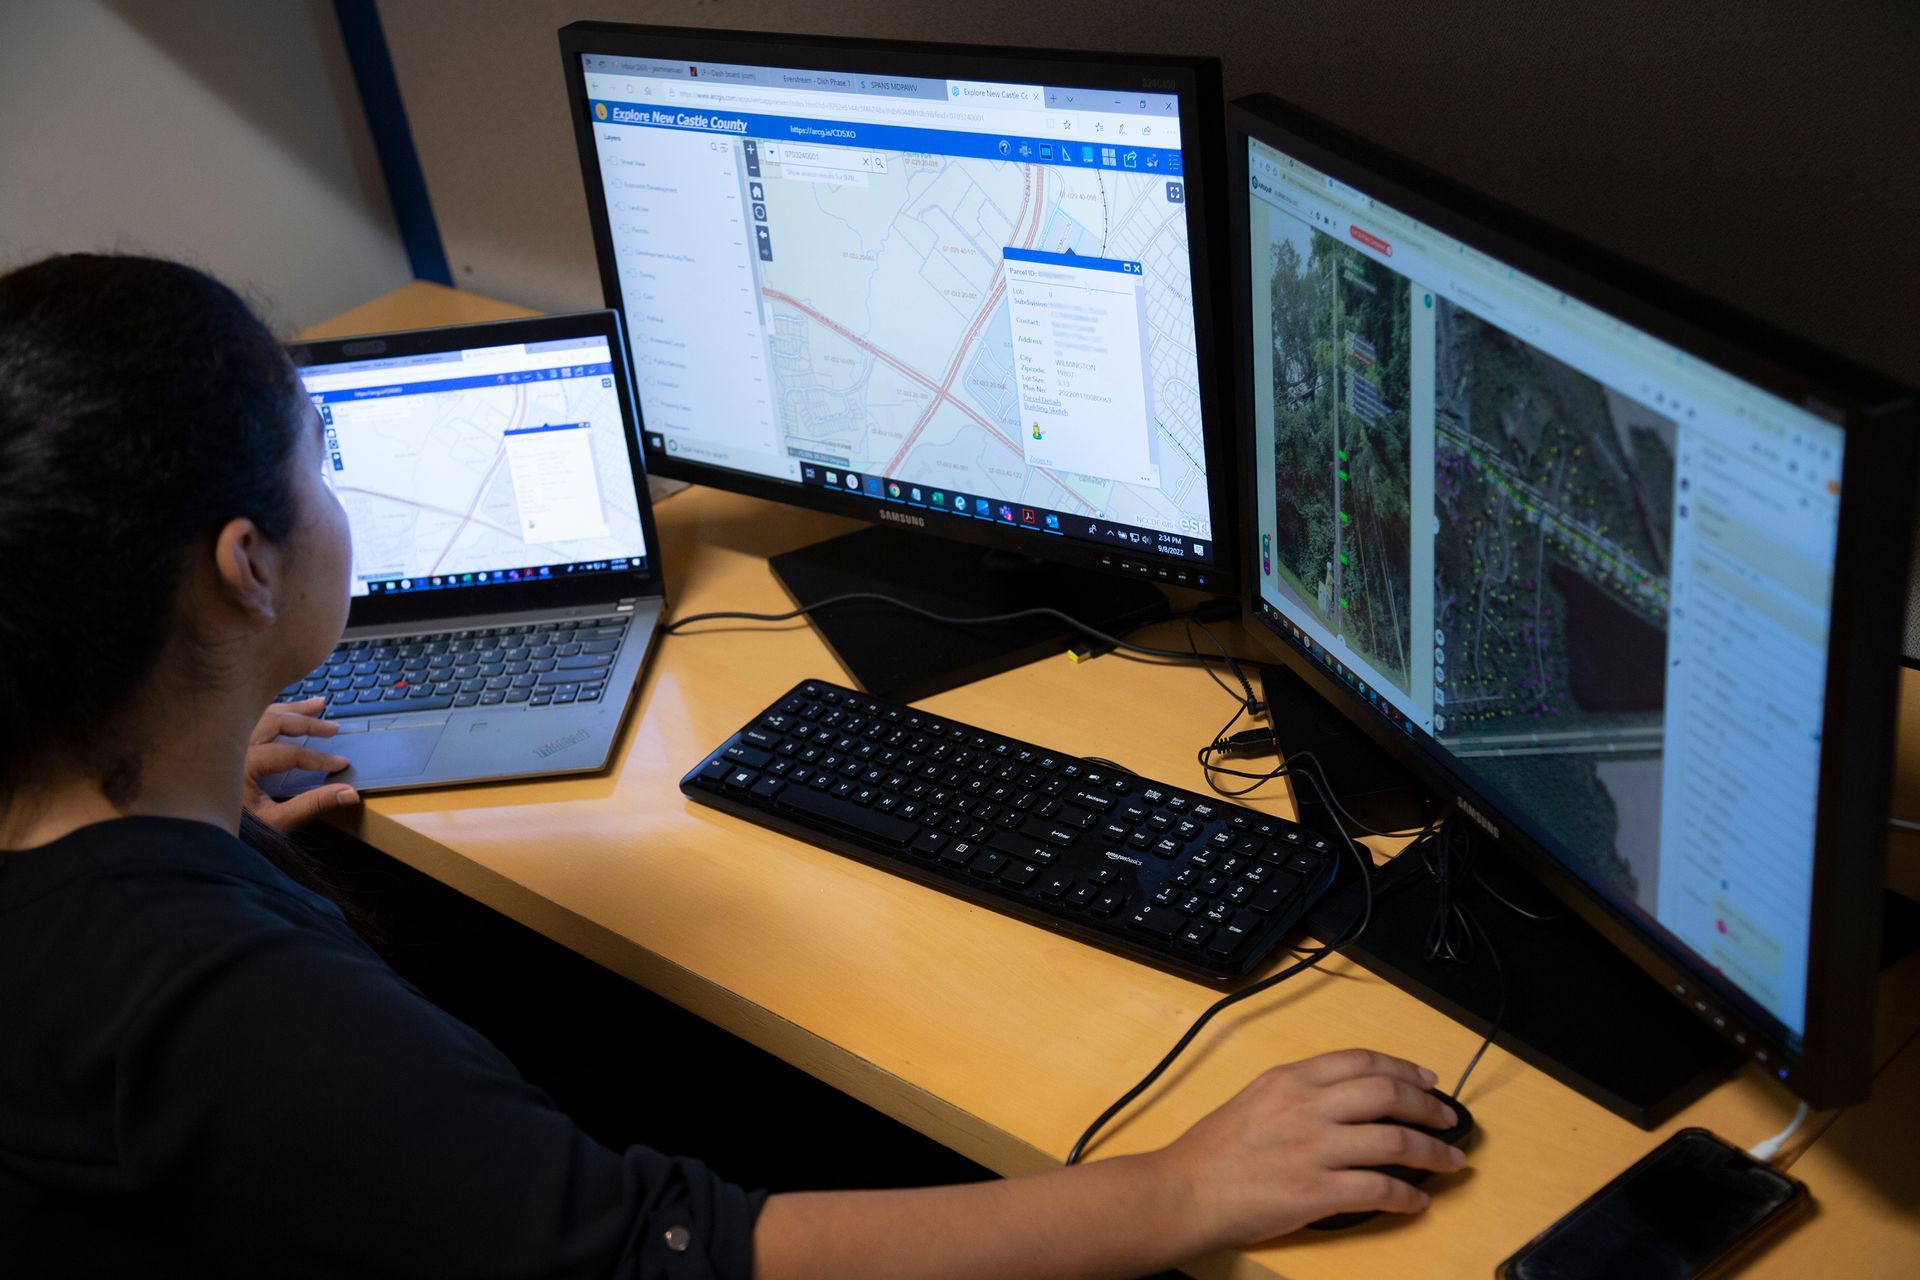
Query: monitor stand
895	654
1577	1008
1369	784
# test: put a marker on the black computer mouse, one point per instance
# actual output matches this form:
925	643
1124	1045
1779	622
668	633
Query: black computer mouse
1458	1134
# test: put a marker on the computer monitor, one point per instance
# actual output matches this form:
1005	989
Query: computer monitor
961	294
1613	570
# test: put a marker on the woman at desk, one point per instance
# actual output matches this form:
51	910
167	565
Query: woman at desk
202	1067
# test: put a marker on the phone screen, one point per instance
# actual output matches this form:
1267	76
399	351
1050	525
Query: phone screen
1667	1218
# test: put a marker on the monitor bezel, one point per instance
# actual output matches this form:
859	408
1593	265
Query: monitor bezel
574	590
1197	81
1834	1064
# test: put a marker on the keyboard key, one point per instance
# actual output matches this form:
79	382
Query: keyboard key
1019	874
439	702
1161	922
1270	899
988	863
1051	832
1024	850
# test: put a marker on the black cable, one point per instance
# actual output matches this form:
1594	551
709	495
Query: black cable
989	619
1247	698
1499	1009
1310	959
1454	934
1509	903
1221	743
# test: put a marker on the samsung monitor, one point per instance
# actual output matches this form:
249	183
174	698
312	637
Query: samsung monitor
961	294
1611	569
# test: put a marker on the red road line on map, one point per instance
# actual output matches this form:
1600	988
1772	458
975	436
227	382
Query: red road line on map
514	420
921	378
1033	196
468	518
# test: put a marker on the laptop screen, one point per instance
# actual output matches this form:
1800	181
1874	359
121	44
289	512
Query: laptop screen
489	465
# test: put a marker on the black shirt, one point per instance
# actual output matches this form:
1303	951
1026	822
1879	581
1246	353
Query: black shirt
203	1070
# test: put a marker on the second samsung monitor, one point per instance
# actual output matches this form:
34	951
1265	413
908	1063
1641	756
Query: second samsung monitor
961	291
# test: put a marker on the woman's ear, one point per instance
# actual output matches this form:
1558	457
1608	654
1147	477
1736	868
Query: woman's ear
247	570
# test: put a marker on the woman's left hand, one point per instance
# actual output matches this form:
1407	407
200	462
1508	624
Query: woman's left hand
266	757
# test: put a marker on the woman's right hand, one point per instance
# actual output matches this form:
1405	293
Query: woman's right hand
1294	1146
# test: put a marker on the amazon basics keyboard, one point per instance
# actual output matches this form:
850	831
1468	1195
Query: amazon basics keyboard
1183	881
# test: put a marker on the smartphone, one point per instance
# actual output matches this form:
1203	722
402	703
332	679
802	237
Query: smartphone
1690	1208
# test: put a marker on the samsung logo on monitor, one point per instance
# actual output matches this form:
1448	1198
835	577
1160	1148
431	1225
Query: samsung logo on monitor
901	517
1479	819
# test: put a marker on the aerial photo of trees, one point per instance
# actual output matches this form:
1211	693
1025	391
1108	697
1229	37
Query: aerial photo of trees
1554	498
1341	441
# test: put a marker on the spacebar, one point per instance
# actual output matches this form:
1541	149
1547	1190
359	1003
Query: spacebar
438	702
882	827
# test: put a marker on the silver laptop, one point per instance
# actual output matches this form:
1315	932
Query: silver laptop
506	575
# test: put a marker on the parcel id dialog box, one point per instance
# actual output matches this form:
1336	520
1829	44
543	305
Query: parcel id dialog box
1080	364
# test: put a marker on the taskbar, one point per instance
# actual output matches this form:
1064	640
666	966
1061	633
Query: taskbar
491	577
1163	546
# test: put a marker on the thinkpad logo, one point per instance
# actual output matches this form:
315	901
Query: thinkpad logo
901	517
561	743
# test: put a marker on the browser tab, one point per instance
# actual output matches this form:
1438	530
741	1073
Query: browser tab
729	73
903	87
989	93
826	80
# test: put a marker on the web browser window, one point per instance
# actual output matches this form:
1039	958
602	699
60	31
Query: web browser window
496	464
1589	569
972	298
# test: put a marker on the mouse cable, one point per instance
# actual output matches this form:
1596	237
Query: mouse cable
1500	1007
1310	959
990	619
1454	934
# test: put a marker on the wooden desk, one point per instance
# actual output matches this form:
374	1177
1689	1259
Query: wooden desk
996	1038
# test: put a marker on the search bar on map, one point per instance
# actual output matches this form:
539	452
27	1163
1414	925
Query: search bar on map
842	159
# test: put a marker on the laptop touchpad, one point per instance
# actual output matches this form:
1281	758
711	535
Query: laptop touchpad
391	753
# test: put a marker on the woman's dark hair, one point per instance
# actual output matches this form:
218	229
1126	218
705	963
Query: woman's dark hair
142	406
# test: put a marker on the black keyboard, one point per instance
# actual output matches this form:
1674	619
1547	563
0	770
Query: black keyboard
535	665
1181	880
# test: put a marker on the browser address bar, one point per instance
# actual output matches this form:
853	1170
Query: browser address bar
846	105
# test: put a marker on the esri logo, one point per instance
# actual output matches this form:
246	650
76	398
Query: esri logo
600	111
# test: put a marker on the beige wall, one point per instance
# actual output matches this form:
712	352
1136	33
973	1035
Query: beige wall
1766	151
223	132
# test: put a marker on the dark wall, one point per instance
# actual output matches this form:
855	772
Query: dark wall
1764	151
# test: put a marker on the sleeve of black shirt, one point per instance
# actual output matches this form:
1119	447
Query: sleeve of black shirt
315	1115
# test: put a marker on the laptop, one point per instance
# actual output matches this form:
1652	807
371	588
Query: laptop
506	575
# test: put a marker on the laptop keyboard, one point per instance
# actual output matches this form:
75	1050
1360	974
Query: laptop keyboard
549	664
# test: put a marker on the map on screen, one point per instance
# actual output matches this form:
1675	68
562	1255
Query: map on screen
484	461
